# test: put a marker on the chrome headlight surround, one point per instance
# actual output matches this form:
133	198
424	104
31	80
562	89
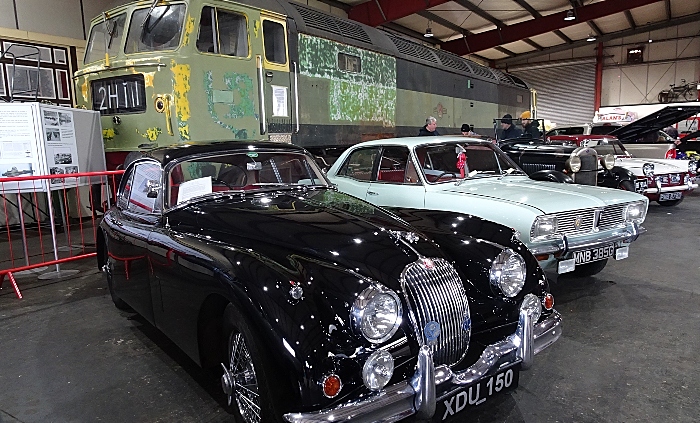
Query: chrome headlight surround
608	161
376	313
544	226
648	169
508	272
636	212
574	164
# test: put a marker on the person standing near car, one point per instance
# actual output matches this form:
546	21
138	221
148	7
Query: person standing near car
430	128
530	126
508	130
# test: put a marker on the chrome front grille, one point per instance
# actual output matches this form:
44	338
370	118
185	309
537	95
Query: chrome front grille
574	222
612	216
434	293
579	222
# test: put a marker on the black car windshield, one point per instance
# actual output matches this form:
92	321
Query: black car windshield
247	170
459	161
604	146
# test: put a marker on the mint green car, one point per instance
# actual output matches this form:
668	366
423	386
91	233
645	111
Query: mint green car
568	227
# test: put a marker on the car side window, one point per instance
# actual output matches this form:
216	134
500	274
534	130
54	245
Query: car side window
360	164
144	177
396	166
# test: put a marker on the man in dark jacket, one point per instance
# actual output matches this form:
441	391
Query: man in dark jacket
530	126
430	128
508	130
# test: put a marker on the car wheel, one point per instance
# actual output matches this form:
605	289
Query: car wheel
626	186
589	269
245	381
107	269
670	203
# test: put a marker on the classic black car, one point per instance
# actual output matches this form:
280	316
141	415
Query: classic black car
317	305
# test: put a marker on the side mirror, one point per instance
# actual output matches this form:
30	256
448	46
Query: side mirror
153	187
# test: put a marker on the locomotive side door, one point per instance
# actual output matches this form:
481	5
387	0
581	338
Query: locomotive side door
274	79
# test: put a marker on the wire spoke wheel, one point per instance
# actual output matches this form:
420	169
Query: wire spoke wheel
245	382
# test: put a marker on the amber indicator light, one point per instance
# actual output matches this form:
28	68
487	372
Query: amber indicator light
331	386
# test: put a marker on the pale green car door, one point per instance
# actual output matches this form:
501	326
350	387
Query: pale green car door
396	182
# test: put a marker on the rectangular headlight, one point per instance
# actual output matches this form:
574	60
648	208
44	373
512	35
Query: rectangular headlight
543	226
636	212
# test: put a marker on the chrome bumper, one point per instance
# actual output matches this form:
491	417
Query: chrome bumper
687	187
419	395
564	244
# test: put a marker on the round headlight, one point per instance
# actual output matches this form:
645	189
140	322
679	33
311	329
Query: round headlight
508	273
376	313
648	169
575	163
692	166
608	161
378	369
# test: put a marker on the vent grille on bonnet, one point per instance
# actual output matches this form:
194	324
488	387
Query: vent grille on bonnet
437	294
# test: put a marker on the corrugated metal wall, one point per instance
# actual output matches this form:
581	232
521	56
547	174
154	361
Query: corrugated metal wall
565	92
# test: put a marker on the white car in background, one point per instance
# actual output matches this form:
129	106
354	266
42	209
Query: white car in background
568	227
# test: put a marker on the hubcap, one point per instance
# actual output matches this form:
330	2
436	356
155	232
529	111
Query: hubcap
239	380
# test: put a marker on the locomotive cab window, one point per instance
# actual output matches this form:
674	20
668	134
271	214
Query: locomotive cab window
155	31
349	63
275	44
105	35
222	32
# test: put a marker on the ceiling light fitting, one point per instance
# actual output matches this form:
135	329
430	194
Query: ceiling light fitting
590	38
428	31
570	15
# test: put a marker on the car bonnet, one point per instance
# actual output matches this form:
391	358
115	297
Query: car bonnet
548	197
661	166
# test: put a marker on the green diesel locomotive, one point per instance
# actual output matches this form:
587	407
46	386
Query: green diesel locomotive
168	72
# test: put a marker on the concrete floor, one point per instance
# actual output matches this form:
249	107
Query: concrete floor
629	351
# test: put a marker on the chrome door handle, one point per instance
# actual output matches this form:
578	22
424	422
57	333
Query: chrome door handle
372	193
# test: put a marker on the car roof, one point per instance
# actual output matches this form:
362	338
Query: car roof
416	141
174	152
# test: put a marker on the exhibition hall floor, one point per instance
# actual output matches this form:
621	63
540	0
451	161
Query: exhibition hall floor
628	352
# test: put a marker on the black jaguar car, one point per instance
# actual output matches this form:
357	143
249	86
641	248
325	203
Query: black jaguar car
315	305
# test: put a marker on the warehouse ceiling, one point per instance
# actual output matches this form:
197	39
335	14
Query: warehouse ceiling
509	31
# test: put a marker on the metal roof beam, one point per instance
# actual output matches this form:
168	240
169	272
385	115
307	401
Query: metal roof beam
479	12
607	37
531	10
505	51
630	19
563	36
668	9
533	44
379	12
516	32
595	28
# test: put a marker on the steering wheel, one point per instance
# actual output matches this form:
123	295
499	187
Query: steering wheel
233	173
219	181
454	176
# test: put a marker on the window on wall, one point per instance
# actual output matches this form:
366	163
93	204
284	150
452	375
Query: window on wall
273	34
635	55
29	71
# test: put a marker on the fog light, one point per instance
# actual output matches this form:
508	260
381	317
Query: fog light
331	386
378	370
548	301
532	306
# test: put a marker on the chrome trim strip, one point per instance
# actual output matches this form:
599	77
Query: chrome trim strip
296	96
399	401
630	232
670	189
263	118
